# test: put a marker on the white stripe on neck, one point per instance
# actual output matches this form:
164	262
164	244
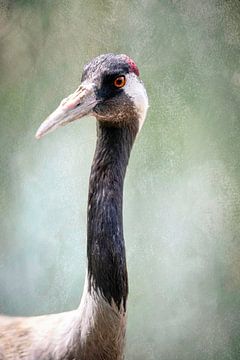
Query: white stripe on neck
135	89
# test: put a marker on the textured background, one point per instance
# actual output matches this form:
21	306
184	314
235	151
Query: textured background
182	191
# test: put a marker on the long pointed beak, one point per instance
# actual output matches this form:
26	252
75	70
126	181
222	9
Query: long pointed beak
74	107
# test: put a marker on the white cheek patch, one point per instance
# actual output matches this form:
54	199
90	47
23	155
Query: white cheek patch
135	89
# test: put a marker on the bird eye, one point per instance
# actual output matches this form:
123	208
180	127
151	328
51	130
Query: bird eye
120	81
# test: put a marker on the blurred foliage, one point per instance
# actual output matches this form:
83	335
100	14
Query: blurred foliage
182	193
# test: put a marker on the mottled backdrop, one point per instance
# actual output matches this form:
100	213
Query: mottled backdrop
182	192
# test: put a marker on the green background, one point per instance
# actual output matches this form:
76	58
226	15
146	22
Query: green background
182	191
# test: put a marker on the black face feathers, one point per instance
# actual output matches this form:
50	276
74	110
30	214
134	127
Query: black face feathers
115	105
102	71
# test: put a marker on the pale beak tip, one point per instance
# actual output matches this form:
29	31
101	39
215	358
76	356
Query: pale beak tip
38	135
69	110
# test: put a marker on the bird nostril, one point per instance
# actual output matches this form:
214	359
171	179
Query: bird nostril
70	104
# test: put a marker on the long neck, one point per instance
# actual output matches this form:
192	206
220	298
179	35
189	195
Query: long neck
107	271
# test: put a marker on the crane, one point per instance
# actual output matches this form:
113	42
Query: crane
113	93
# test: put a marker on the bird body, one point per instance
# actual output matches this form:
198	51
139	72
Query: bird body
94	331
112	92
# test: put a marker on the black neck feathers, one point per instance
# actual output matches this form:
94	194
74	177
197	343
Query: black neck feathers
107	268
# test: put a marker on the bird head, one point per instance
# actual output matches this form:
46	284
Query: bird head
110	90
